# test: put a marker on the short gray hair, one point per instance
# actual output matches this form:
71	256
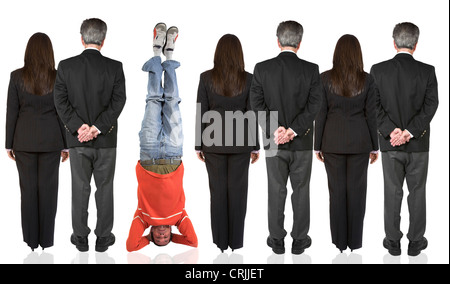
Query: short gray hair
93	31
406	35
290	33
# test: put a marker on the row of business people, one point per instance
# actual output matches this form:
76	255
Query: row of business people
354	113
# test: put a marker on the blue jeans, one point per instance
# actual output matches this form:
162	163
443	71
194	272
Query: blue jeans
161	135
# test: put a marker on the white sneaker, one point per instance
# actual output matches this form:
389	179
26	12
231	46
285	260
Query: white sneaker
171	38
159	37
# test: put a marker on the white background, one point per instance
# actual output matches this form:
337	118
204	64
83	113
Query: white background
201	24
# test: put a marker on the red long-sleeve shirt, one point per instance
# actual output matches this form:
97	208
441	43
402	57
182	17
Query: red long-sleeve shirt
161	201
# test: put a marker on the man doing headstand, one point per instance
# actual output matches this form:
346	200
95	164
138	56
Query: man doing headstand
159	172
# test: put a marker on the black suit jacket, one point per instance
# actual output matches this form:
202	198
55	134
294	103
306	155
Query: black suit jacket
291	87
90	89
407	98
237	138
347	125
32	124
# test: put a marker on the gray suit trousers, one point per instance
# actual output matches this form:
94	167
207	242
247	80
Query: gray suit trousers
101	163
398	166
295	165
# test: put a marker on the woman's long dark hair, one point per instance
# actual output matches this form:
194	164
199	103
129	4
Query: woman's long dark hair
39	71
228	74
347	77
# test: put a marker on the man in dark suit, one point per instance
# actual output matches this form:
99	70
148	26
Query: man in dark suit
406	103
89	97
288	91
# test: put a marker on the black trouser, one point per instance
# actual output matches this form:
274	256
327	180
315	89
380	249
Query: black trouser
38	175
228	183
347	183
85	162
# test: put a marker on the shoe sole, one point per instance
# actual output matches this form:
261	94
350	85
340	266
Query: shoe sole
101	249
414	253
298	251
165	30
394	252
82	249
165	41
278	251
158	24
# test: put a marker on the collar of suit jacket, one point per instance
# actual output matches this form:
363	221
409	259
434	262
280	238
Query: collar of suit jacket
288	53
91	50
403	54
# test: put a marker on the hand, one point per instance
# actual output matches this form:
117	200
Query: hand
83	131
405	137
11	154
283	135
373	157
200	156
64	156
254	157
400	137
395	133
93	132
289	135
88	134
396	137
279	134
320	157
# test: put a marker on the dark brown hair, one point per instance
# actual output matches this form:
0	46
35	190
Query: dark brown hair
39	71
347	77
228	74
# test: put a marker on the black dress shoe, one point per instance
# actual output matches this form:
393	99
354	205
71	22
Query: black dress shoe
81	243
299	246
102	244
276	245
393	247
414	248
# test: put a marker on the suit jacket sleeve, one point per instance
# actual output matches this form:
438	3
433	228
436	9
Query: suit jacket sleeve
303	120
385	124
202	107
252	126
258	104
422	119
12	113
320	122
63	133
109	116
370	113
186	229
63	106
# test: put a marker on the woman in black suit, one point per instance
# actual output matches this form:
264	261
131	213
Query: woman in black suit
35	140
345	140
224	91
